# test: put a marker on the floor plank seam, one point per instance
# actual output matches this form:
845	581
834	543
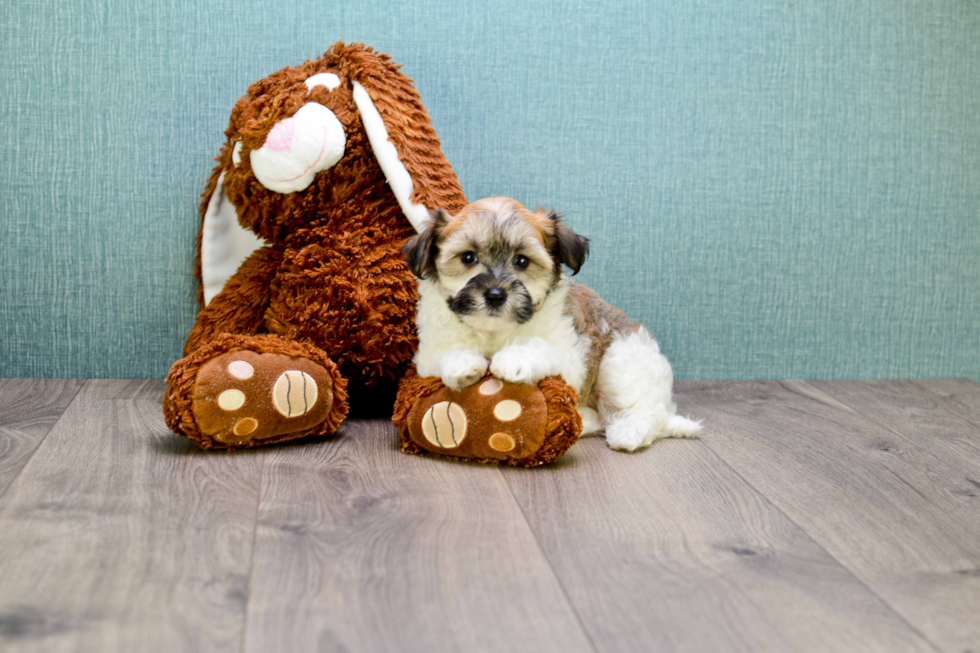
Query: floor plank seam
251	557
40	442
551	566
847	568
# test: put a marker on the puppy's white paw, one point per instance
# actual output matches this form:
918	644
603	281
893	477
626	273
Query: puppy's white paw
463	370
520	364
627	435
591	422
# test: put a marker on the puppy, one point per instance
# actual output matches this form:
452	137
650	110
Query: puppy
492	294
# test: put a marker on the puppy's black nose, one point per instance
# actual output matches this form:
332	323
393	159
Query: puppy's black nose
495	297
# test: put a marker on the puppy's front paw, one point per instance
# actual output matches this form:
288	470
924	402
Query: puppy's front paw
520	365
463	370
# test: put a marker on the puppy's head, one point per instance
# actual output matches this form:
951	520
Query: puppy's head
495	262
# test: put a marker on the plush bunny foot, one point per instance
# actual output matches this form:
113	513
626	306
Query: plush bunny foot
491	421
244	398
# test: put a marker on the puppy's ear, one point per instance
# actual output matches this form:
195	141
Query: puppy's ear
567	247
421	250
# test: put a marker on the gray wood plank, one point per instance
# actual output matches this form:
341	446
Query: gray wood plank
920	417
363	548
28	410
120	536
961	397
953	388
888	509
669	550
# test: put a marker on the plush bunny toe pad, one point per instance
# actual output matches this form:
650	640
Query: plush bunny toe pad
244	396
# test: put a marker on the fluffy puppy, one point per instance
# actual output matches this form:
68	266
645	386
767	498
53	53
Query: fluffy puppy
492	294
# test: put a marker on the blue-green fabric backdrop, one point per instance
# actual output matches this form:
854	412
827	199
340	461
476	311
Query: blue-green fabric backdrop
778	189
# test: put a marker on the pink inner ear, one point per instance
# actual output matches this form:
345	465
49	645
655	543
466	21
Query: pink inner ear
280	139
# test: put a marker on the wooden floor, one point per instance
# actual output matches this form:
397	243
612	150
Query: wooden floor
819	516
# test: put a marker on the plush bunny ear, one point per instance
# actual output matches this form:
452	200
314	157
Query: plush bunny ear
222	244
405	144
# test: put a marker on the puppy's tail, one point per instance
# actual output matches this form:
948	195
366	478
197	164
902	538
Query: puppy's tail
682	427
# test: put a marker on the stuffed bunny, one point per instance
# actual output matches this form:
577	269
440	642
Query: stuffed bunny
327	169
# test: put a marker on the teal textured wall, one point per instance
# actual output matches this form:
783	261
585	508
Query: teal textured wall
778	189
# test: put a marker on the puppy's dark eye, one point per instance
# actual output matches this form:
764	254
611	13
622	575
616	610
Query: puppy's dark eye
468	258
521	261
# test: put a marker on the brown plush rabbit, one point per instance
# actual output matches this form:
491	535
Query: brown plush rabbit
328	168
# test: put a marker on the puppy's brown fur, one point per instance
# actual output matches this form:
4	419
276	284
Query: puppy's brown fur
601	322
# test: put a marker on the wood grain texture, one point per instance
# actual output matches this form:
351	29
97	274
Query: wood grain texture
362	548
953	388
924	419
28	410
961	397
120	536
810	516
669	550
888	509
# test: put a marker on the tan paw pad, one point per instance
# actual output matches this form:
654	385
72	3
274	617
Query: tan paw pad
230	400
294	393
444	424
245	426
507	410
502	442
241	370
491	387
